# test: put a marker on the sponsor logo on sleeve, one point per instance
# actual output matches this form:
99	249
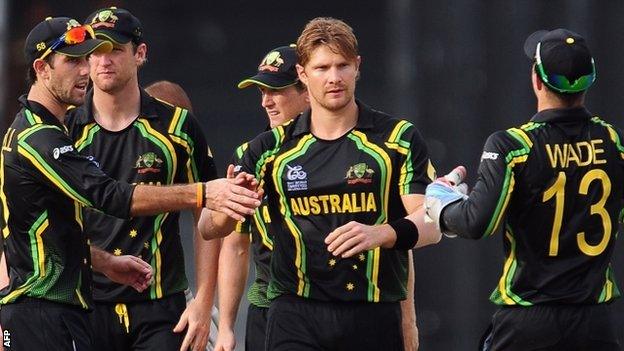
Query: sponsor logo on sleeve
489	156
58	151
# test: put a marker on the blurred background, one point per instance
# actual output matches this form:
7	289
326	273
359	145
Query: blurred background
454	68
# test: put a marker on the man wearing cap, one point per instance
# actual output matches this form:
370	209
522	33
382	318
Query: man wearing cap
554	185
340	181
44	183
284	97
139	139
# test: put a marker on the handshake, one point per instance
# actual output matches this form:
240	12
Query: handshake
443	192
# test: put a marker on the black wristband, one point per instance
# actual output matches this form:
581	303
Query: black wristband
406	234
203	202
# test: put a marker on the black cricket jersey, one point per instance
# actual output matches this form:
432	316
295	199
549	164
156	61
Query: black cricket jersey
44	184
314	186
554	186
261	244
163	146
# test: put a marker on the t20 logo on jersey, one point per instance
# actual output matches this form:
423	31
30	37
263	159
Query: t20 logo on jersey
297	178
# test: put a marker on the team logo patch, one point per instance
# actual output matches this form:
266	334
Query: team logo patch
271	62
148	163
104	18
359	173
297	178
72	23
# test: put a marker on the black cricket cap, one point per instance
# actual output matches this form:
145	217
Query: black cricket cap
277	70
48	33
562	53
116	25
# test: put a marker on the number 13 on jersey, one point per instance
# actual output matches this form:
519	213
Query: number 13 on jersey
557	190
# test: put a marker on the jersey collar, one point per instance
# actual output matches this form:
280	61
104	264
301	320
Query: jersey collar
562	115
365	119
39	110
147	108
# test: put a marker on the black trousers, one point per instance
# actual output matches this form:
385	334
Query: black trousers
144	325
255	329
552	327
36	324
298	324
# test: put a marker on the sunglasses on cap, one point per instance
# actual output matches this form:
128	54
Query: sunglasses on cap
75	35
560	82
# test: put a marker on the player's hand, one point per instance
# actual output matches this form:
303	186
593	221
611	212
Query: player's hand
226	340
243	179
196	320
443	192
410	337
236	201
129	270
352	238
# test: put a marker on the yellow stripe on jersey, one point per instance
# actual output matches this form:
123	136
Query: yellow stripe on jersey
280	163
386	166
182	139
400	127
40	248
522	134
509	179
37	254
87	136
378	152
5	206
163	143
39	162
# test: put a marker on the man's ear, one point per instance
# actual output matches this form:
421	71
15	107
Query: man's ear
538	85
42	68
141	54
303	77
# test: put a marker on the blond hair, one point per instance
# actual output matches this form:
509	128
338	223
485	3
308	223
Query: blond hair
334	33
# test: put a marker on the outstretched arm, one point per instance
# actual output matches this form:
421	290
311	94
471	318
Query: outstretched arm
222	195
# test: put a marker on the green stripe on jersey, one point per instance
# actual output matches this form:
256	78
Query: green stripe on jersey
303	286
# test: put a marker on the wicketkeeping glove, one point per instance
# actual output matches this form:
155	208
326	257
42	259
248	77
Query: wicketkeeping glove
442	193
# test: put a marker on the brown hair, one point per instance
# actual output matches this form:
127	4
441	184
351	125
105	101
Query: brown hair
333	33
170	92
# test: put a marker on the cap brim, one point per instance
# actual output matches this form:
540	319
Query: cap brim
86	47
269	80
530	44
113	36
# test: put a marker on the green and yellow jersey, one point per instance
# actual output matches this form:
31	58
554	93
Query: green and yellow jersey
164	145
313	186
554	186
261	244
44	183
